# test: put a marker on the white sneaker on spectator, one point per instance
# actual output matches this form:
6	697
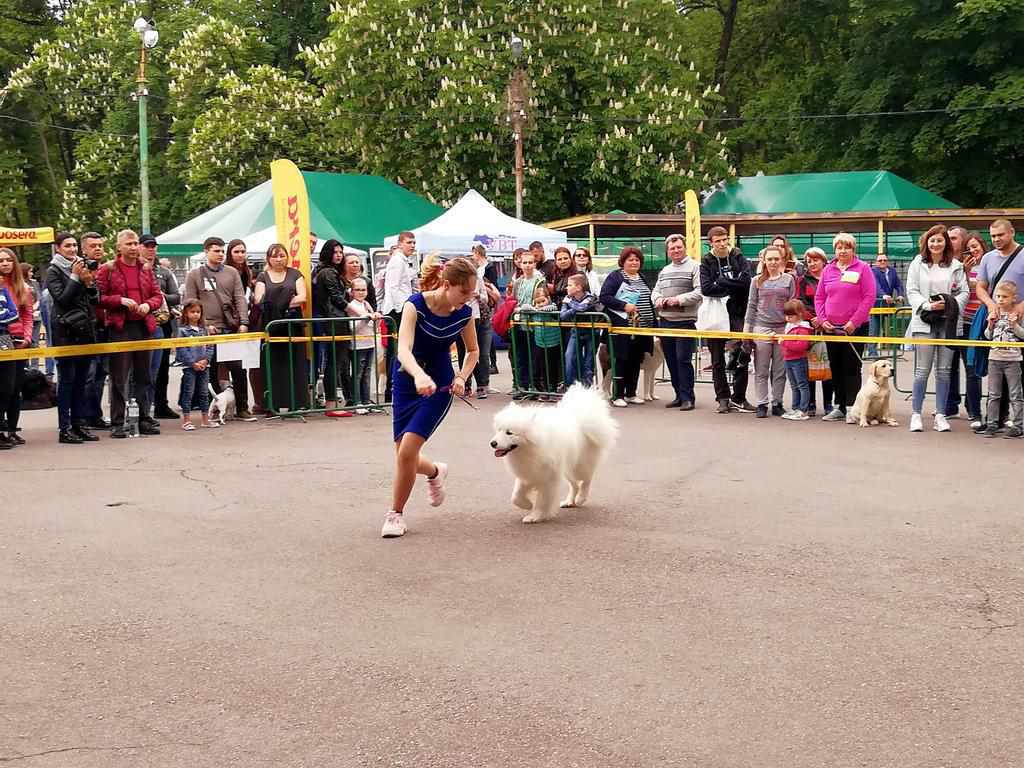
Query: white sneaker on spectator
834	415
916	425
619	403
801	416
394	526
435	485
792	415
976	424
941	425
635	400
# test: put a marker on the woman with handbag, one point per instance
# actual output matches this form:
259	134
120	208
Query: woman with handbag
73	321
279	293
626	297
12	372
934	278
842	304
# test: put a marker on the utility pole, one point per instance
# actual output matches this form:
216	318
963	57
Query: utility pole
148	37
518	100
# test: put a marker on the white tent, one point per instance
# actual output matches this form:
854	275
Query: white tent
474	220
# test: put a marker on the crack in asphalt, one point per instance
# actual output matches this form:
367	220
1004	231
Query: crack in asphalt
126	747
988	610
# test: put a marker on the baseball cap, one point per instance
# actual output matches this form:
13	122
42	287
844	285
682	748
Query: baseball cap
147	240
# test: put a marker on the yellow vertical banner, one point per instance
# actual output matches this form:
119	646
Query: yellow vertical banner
692	224
291	216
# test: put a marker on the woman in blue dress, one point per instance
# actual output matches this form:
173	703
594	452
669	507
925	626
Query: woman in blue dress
425	382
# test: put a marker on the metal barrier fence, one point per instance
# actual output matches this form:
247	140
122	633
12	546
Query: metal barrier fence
557	353
544	373
350	375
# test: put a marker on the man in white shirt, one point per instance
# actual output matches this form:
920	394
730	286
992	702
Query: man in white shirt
398	287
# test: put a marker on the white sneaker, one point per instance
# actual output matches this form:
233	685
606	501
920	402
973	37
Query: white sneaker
941	425
976	424
802	416
394	526
435	485
792	415
834	415
619	403
916	425
635	400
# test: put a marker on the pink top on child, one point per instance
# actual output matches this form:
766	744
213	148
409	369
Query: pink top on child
796	349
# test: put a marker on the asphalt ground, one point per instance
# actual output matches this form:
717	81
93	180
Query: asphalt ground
739	592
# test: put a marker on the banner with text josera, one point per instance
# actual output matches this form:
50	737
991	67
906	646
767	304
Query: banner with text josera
291	216
26	235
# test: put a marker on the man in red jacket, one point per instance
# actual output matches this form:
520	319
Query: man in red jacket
129	294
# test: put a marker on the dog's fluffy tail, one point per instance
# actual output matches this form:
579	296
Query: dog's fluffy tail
592	414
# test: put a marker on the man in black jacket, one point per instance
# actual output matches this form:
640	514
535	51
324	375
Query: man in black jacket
725	273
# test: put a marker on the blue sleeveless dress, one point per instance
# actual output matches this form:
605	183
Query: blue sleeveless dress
431	344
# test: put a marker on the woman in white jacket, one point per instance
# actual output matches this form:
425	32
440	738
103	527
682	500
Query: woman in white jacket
934	273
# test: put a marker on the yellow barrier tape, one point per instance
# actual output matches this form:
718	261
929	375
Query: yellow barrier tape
685	333
125	346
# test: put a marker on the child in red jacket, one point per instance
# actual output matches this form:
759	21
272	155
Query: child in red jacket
794	355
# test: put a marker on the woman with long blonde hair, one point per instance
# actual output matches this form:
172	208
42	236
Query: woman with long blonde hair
13	371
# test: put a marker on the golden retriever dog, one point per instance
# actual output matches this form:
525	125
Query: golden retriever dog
650	367
872	404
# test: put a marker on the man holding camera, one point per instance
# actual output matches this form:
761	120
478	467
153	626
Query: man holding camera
218	286
130	295
70	282
99	365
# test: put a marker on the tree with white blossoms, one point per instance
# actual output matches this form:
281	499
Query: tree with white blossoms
617	111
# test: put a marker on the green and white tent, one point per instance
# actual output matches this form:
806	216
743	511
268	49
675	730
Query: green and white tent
358	210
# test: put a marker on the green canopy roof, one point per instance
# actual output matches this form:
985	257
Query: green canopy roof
822	192
358	210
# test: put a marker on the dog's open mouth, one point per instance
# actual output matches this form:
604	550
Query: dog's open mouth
499	452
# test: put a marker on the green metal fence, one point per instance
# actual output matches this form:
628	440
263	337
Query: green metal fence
342	361
551	346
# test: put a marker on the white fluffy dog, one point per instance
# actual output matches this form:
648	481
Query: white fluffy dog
872	404
222	404
542	445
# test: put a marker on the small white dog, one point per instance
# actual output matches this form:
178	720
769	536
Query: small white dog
872	404
543	445
222	405
650	367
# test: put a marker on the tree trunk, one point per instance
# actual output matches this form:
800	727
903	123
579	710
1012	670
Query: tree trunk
725	41
41	130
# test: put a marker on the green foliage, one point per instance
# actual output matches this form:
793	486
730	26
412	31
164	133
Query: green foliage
416	91
616	109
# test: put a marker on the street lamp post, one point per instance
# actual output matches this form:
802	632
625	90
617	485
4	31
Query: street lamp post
148	37
517	103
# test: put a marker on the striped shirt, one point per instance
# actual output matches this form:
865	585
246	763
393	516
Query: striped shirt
643	303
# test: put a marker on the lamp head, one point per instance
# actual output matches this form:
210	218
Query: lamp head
141	25
516	44
150	38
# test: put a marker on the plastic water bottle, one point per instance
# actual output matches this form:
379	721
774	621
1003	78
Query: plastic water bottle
131	421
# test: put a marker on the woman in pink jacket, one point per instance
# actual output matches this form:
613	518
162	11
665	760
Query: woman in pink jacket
843	301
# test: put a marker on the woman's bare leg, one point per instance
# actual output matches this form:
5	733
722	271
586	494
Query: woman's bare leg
409	462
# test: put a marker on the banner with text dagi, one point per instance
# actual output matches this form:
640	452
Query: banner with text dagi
291	216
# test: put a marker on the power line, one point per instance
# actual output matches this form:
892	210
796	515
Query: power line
606	118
